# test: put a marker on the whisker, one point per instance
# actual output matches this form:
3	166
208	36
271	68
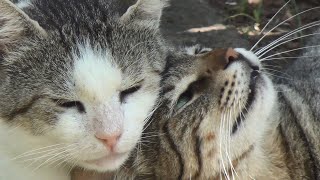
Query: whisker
288	57
296	49
272	66
229	143
277	76
299	29
305	11
222	158
274	16
34	151
48	160
157	135
277	71
35	159
150	116
269	47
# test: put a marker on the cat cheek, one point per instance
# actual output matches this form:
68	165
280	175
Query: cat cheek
137	110
70	127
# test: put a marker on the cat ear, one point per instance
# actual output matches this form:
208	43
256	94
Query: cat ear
15	25
146	13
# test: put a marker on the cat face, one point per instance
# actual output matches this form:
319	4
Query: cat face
215	110
83	85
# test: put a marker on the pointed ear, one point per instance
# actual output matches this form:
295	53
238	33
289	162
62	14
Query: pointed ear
145	13
15	25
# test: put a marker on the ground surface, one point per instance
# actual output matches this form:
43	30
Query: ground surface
235	23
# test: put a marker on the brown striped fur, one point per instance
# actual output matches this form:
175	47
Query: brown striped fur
184	144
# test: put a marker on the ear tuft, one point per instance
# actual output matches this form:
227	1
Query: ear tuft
14	25
145	13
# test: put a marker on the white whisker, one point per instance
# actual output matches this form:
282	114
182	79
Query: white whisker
277	71
150	116
274	16
51	158
269	47
296	49
314	8
35	151
288	57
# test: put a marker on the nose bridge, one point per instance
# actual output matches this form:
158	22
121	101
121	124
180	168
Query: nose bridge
108	118
217	59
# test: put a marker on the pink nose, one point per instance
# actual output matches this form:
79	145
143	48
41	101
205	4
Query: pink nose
109	140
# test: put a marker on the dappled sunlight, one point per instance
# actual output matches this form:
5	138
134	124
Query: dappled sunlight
215	27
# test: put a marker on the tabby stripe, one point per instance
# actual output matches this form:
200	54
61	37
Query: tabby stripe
236	162
186	125
24	109
237	124
304	138
166	89
198	152
174	148
285	144
164	73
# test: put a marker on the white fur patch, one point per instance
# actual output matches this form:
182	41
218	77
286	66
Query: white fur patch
95	81
16	158
250	56
96	76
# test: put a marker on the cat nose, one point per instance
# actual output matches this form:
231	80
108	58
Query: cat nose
109	140
219	59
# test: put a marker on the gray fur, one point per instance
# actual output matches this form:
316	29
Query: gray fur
290	144
39	46
36	70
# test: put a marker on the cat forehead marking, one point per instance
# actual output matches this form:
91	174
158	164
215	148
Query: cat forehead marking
96	76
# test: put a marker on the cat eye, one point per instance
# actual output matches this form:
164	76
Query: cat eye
124	94
71	104
195	87
184	98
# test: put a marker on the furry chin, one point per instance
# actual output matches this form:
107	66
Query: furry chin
106	163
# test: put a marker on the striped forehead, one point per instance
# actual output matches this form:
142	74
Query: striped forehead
96	76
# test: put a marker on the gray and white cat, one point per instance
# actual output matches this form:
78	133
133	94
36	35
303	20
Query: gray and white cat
78	82
222	117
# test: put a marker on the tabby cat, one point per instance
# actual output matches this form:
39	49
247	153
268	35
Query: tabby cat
222	117
78	82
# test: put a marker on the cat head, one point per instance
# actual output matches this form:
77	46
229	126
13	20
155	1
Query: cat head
83	83
215	111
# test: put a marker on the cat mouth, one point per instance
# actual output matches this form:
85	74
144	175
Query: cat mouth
108	162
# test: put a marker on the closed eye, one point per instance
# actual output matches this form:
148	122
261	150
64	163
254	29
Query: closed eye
71	104
196	87
184	98
124	94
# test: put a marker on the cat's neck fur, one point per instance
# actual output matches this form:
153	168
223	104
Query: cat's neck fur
14	157
286	151
266	160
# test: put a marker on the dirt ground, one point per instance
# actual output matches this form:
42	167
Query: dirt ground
236	23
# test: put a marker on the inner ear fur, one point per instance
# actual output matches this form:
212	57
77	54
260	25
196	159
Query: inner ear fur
15	25
145	13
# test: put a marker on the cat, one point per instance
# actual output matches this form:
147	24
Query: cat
78	82
223	117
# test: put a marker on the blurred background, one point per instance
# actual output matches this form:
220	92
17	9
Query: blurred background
237	23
